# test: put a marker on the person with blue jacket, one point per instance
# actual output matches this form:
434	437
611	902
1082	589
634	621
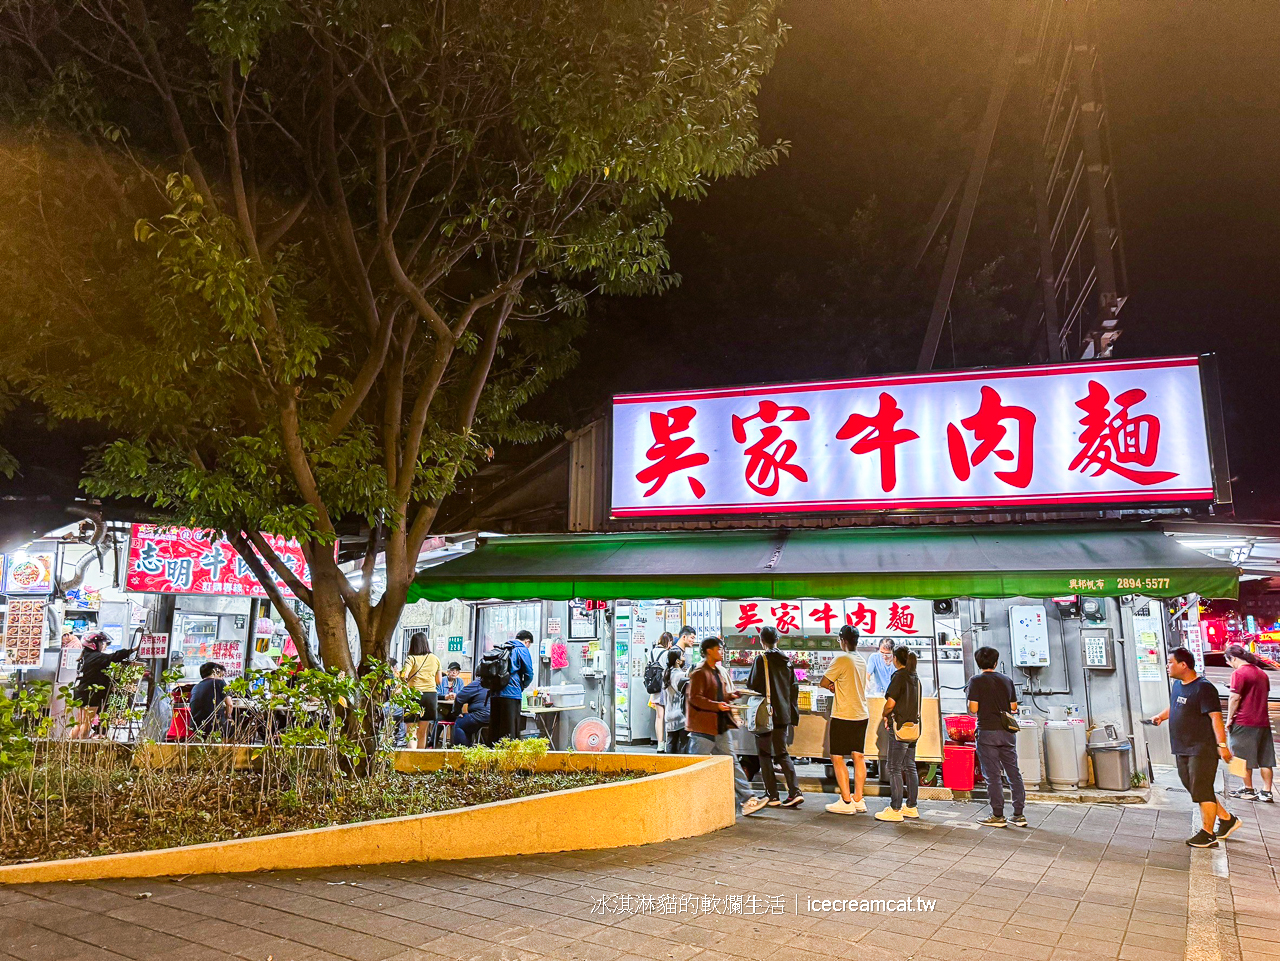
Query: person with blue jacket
473	703
505	720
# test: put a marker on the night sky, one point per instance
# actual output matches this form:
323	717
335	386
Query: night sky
875	99
797	274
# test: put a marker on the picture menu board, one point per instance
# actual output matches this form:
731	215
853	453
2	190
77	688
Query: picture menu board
24	632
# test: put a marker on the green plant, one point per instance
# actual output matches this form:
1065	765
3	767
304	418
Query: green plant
387	221
1138	780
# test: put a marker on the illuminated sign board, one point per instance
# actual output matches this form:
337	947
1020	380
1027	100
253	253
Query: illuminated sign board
1103	432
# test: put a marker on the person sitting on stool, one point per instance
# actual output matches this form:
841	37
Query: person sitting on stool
473	703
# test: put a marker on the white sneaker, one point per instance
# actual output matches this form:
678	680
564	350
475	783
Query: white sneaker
860	806
910	812
752	805
844	807
888	814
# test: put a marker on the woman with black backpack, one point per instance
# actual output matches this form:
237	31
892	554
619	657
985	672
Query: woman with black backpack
653	684
675	681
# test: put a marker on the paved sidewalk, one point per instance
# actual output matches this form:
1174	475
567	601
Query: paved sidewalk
1253	855
1087	883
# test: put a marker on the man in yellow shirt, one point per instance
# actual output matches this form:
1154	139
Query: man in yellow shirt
847	679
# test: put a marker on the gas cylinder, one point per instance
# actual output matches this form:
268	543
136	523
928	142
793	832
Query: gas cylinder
1030	742
1080	727
1062	758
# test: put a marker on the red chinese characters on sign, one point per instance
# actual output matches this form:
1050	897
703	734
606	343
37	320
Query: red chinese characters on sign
824	615
1111	440
671	454
786	618
770	455
879	432
989	428
862	618
748	618
167	560
901	620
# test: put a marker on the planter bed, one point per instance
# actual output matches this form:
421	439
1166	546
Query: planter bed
619	800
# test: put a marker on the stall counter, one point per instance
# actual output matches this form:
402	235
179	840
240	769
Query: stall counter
811	733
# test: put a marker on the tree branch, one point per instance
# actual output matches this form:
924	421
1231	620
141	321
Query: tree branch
291	619
291	580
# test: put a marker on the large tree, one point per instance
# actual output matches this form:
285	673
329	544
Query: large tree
308	258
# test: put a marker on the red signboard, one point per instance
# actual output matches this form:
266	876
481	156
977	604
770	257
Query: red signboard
178	560
1103	432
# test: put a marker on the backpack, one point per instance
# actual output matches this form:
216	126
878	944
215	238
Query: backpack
653	672
494	671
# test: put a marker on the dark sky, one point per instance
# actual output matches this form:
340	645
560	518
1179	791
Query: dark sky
874	99
784	274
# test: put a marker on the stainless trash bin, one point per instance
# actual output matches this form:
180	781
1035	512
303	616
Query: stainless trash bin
1112	757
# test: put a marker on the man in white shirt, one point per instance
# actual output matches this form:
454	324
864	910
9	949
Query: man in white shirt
847	679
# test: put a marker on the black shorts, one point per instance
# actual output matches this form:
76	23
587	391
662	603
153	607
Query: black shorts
1254	745
1197	773
95	698
426	708
848	737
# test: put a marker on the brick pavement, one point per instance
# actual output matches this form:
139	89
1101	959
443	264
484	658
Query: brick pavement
1253	856
1087	883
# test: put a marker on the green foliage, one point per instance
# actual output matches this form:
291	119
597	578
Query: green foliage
337	324
15	745
508	755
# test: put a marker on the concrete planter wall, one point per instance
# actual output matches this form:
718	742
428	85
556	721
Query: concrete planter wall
681	797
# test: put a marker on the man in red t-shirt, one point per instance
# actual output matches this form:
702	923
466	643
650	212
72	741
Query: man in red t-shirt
1248	723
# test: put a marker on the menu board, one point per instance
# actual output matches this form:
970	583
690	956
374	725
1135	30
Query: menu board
24	633
29	572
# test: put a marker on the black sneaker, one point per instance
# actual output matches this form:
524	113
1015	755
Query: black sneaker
994	822
1244	794
1018	821
1266	796
773	802
1203	839
794	801
1226	828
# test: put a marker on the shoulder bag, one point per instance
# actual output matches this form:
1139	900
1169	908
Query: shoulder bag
909	731
759	709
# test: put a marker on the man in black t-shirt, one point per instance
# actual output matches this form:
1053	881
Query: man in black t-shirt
1198	738
210	704
991	697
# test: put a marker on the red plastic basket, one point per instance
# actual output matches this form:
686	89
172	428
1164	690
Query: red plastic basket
961	728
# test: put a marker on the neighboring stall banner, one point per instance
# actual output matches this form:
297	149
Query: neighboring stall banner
1089	433
28	572
179	560
24	633
903	618
153	646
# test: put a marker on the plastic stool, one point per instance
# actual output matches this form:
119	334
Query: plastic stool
445	729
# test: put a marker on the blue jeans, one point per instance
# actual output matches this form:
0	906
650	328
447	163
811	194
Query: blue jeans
723	744
466	728
997	752
902	772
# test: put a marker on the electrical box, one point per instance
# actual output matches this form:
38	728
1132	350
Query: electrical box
1029	635
1099	650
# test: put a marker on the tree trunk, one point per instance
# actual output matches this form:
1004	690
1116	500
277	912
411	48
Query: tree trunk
331	614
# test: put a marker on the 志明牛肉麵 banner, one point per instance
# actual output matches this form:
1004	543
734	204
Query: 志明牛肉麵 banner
1105	432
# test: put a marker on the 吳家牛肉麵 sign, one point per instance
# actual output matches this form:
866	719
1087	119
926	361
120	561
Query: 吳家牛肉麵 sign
1084	433
903	618
179	560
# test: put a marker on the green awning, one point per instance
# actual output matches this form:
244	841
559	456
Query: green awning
842	562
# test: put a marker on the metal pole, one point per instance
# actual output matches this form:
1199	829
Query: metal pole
973	185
